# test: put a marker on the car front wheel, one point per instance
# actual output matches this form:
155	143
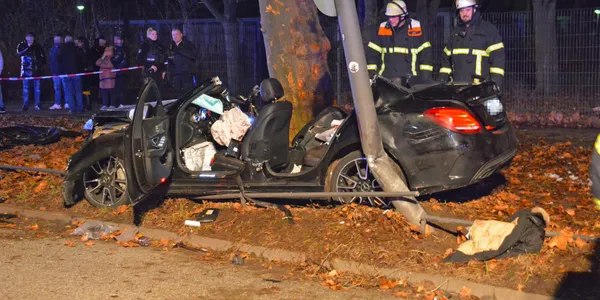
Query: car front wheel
105	183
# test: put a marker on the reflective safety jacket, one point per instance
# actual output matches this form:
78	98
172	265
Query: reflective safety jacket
474	49
595	173
400	51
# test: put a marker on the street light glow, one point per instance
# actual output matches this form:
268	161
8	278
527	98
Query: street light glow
597	11
80	7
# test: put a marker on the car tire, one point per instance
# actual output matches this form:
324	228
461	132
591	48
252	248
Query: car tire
105	183
343	175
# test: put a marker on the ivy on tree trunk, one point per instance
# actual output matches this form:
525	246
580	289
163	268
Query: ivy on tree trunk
297	50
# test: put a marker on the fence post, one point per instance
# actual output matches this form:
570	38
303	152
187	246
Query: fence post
338	69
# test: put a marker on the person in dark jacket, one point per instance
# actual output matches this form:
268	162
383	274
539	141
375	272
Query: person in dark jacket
70	61
151	56
54	69
95	53
182	63
399	50
595	172
82	46
474	49
119	61
33	59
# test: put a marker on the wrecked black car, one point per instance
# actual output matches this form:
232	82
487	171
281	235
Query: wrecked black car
444	136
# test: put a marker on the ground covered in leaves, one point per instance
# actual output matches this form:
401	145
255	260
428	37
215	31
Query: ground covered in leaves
550	171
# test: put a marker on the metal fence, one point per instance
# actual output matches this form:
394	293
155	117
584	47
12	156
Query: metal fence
576	87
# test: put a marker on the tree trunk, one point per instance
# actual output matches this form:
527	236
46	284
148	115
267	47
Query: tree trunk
185	13
369	22
544	17
232	40
297	50
427	14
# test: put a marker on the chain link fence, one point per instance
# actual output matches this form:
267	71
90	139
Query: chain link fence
575	86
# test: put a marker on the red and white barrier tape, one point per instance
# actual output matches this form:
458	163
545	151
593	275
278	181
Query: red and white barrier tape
67	75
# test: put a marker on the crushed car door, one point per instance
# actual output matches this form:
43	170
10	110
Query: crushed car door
148	146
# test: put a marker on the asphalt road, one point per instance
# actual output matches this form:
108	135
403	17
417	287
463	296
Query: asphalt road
45	268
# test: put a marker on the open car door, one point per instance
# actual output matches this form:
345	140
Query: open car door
148	149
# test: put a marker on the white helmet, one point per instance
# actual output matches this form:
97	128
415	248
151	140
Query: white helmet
395	8
465	3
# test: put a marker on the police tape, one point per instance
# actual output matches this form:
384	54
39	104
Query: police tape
68	75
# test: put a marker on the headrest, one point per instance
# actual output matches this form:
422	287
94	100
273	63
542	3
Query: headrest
271	90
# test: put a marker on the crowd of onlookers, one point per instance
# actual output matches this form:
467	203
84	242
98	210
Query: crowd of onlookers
71	56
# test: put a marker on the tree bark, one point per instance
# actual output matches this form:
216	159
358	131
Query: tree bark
369	22
544	17
232	40
427	14
185	13
297	50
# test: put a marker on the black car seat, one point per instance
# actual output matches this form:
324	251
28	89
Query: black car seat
268	139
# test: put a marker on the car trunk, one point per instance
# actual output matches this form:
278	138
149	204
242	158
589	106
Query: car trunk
481	99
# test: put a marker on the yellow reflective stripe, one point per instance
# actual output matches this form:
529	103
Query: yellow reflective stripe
460	51
426	68
375	47
382	62
372	67
423	47
448	53
480	52
446	70
478	62
495	70
597	144
494	47
413	65
399	50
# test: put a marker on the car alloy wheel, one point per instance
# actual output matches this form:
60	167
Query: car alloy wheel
105	183
354	175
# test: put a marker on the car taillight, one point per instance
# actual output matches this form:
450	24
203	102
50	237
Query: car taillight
455	119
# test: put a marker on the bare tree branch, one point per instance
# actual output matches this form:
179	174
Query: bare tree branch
213	10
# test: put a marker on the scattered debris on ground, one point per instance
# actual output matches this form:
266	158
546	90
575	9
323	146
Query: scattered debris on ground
550	171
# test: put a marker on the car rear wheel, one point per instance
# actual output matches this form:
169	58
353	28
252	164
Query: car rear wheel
351	173
105	183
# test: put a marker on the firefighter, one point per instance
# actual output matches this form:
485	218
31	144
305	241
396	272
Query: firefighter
399	50
595	172
473	49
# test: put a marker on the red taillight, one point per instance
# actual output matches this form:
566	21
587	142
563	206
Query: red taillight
455	119
163	180
212	160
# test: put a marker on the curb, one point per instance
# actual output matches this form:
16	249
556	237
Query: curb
450	284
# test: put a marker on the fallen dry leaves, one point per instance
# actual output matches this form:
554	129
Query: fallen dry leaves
465	292
33	227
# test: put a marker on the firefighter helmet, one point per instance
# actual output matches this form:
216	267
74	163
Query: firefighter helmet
465	3
395	8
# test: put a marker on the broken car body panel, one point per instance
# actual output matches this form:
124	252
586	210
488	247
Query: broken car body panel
432	157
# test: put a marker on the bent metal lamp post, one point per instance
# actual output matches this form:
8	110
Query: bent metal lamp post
387	172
